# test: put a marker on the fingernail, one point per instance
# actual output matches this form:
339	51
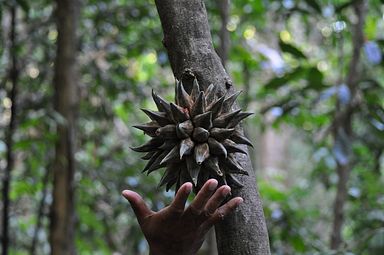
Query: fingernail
226	191
212	186
188	188
240	201
125	194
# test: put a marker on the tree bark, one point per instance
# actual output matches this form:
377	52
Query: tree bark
14	77
343	124
188	41
223	50
65	103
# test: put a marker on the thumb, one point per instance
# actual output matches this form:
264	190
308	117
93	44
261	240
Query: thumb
138	205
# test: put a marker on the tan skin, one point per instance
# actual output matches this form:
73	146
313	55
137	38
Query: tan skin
179	230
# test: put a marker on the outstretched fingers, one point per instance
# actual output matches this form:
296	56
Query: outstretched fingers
215	201
221	213
201	199
139	207
181	197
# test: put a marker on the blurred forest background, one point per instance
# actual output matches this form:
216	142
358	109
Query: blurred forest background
312	72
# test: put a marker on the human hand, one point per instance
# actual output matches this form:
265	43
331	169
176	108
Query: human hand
176	230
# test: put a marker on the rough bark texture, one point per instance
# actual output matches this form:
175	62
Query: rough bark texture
343	124
188	41
223	50
65	100
14	77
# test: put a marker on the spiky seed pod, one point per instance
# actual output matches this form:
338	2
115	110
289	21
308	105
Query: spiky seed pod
148	155
172	155
200	135
201	152
203	120
186	147
199	105
149	128
220	134
216	147
210	94
195	138
223	120
185	127
229	101
159	117
237	137
168	131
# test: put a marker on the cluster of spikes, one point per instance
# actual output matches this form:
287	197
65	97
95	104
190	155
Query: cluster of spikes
195	139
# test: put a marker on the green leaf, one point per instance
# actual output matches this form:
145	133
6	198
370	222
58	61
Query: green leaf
122	111
298	243
371	27
315	78
272	193
289	48
23	144
258	7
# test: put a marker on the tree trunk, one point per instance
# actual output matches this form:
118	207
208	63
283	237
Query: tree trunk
65	103
188	41
338	207
14	77
343	125
40	211
223	50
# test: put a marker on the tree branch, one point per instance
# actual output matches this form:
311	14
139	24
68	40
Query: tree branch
342	124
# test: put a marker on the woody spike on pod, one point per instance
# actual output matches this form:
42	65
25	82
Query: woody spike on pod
201	153
195	90
224	119
148	128
239	138
195	138
229	101
199	105
216	147
186	147
172	155
210	94
168	131
162	105
159	117
203	120
216	107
